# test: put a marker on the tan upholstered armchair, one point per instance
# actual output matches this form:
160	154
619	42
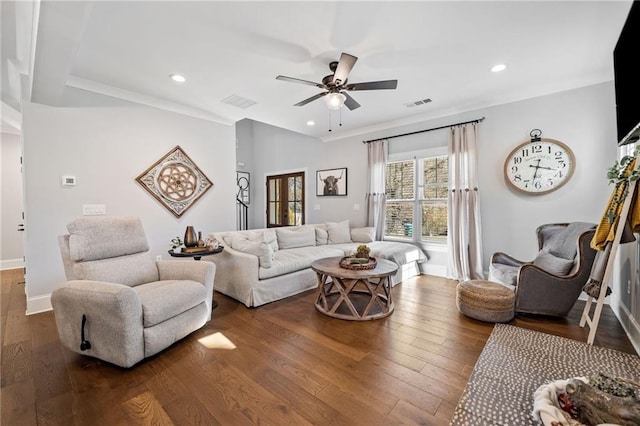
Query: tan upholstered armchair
120	305
552	282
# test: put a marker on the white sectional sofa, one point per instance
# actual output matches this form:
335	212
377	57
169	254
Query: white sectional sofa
263	265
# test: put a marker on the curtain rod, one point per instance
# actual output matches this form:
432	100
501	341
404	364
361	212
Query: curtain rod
479	120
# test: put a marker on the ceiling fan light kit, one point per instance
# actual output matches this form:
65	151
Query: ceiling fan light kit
334	101
336	87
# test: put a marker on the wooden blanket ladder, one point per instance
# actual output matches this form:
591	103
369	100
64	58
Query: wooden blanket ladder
592	321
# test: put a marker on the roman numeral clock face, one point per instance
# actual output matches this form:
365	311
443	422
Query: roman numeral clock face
539	167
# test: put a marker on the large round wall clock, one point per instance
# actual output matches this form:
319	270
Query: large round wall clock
539	166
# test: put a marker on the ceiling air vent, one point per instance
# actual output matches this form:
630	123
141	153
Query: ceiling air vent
416	103
238	101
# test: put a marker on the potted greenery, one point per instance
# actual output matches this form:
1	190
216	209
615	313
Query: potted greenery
363	251
177	244
621	174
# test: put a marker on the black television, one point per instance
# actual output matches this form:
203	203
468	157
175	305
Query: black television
627	78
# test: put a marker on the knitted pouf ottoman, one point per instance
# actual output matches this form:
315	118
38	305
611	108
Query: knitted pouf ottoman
485	301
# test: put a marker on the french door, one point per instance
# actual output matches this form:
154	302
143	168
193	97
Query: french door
285	199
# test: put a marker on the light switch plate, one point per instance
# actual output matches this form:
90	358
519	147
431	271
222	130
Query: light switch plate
93	209
68	181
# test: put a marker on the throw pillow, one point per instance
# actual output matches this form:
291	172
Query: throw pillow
296	236
553	264
339	232
271	238
257	248
363	235
564	243
322	236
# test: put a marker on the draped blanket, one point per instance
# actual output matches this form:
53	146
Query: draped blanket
606	231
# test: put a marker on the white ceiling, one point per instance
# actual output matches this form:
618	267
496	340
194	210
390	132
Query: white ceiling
437	50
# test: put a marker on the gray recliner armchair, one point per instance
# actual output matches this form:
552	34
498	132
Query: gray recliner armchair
552	282
119	304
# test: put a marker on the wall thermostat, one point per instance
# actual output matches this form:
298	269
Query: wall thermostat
68	181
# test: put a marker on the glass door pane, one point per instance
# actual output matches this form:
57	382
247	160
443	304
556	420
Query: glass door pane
273	203
295	205
285	199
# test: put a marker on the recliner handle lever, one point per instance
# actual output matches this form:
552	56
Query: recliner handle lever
84	344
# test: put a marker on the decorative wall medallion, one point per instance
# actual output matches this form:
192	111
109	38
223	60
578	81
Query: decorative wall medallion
175	181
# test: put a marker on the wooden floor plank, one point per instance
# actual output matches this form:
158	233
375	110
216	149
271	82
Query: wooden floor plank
17	403
16	363
291	365
407	413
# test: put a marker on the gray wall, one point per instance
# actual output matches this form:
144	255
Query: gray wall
106	149
11	244
273	150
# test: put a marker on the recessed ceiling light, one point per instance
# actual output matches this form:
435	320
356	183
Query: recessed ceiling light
311	123
498	68
177	78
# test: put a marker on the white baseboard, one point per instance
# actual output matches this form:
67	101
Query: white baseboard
11	264
435	270
629	323
36	305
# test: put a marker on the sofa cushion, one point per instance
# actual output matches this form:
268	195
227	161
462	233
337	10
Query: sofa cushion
553	264
130	270
339	232
398	252
162	300
296	236
363	235
257	248
322	236
296	259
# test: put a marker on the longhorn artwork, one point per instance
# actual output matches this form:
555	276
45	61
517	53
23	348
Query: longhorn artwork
331	182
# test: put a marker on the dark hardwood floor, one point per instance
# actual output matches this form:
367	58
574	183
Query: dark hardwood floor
290	365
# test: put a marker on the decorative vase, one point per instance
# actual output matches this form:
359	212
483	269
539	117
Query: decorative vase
200	240
190	238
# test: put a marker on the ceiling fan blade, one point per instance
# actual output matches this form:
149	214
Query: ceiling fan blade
311	99
345	65
349	102
297	80
373	85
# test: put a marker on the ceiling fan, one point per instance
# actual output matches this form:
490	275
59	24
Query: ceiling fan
336	84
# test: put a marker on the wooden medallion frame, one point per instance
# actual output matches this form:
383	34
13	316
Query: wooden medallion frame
175	181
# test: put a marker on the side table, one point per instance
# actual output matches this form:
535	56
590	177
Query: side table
198	256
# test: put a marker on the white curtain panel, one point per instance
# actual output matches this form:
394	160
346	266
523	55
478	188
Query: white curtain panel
376	198
464	237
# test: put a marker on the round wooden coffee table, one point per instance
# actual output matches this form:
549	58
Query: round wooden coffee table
351	294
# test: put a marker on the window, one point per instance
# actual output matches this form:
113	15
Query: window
417	199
